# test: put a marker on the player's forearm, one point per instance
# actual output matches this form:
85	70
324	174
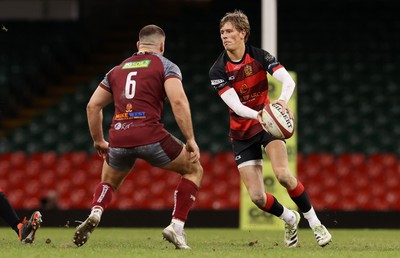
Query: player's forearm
288	84
231	99
183	117
95	121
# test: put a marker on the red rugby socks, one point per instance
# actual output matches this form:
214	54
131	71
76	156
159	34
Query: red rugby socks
184	197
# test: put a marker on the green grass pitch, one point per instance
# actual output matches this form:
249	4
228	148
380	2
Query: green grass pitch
139	242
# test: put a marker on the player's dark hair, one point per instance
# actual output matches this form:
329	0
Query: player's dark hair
239	20
151	30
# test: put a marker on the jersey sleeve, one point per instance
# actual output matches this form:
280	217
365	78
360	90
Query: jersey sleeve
105	84
219	79
270	63
171	70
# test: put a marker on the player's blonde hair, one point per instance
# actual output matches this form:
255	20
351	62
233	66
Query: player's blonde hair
239	20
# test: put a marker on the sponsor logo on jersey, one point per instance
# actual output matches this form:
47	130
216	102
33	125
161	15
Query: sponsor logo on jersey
250	97
216	82
117	126
268	57
128	107
123	126
244	89
130	115
135	115
121	116
137	64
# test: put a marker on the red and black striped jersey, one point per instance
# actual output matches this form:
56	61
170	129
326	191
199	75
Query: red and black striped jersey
137	86
248	77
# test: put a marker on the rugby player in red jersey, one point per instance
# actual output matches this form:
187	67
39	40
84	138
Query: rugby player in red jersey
138	88
239	75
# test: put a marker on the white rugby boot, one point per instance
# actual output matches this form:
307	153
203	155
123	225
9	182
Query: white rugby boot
172	236
322	235
291	239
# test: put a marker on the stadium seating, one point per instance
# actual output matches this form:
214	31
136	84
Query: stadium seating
75	175
352	182
332	182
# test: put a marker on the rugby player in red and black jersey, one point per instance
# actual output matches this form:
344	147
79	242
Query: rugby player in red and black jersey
138	87
239	75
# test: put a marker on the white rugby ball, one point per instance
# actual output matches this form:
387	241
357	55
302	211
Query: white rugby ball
278	124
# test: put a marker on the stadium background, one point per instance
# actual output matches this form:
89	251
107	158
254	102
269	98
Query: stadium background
345	54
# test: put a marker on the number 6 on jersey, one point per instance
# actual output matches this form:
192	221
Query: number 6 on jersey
130	85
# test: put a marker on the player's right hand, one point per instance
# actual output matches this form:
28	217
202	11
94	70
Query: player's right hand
193	151
101	148
260	119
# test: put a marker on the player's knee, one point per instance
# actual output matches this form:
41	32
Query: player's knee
283	177
258	198
196	170
200	170
193	172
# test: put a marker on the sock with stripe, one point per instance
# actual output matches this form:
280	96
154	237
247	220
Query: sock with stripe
272	205
102	196
184	196
300	197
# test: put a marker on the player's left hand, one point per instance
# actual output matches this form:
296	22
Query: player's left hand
285	107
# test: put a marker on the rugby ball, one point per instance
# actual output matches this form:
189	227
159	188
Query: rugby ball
277	124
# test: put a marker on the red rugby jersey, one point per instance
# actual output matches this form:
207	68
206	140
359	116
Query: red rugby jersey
248	77
137	86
